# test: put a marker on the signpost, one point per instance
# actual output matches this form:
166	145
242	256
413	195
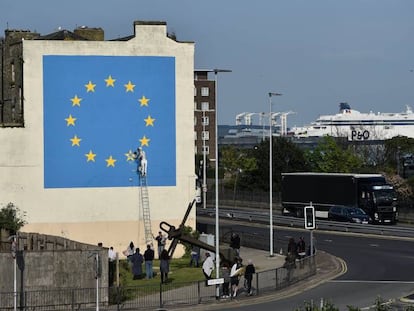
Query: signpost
215	281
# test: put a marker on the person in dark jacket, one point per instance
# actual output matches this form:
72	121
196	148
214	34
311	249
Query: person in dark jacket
164	265
248	276
235	243
149	257
137	259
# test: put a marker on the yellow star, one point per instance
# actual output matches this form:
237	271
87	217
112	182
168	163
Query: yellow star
144	141
129	87
149	121
90	87
90	156
110	162
76	101
70	120
130	156
110	81
75	141
144	101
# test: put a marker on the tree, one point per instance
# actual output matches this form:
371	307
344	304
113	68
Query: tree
11	218
236	163
286	157
329	157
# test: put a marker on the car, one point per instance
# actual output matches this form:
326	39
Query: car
348	214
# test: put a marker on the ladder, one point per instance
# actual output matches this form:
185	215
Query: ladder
145	209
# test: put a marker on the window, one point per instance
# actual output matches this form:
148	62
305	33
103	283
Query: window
205	135
13	73
195	135
204	91
205	120
195	91
195	120
204	106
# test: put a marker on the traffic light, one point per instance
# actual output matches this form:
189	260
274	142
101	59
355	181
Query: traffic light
309	217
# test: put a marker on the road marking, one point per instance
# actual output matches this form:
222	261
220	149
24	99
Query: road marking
376	282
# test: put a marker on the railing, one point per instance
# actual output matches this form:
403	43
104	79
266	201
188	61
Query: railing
147	297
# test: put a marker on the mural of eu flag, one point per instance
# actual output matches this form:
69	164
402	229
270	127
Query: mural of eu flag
98	110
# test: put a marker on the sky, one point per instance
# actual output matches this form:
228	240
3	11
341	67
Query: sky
317	53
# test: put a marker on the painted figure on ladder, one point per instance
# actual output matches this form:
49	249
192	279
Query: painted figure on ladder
142	161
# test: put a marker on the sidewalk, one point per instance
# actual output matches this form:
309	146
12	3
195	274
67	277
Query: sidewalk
327	268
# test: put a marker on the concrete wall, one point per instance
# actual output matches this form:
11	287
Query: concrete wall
91	215
52	263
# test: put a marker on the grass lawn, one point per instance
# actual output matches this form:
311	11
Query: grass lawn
180	272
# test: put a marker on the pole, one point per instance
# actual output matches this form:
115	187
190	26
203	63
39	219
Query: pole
15	282
271	172
97	281
204	162
216	177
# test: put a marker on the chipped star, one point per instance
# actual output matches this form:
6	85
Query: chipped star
130	156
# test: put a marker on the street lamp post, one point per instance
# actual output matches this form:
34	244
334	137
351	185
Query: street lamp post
271	171
216	71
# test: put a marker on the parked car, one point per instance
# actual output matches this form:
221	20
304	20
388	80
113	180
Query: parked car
348	214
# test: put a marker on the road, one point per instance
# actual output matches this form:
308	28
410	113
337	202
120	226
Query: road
376	266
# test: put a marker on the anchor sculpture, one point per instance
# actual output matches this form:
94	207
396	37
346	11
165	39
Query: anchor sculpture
178	234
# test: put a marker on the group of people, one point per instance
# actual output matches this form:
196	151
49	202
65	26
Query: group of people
231	275
297	249
137	259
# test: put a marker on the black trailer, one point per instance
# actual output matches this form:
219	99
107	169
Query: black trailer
370	192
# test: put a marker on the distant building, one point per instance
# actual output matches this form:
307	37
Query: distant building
204	114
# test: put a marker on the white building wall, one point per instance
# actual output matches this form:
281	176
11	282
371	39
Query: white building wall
92	215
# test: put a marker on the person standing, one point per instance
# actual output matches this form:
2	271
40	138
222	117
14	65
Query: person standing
195	255
225	273
137	259
235	243
130	250
292	248
164	266
142	159
149	257
301	248
161	239
111	265
248	276
235	275
208	266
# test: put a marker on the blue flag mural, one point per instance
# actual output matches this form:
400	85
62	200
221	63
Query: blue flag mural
98	110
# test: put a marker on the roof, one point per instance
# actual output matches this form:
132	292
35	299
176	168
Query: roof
62	35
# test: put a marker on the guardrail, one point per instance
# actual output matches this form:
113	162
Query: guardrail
151	297
262	216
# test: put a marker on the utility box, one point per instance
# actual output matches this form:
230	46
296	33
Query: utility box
208	239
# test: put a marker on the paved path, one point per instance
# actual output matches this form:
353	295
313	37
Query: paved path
328	267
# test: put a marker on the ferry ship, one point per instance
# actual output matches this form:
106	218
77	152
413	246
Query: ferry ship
358	126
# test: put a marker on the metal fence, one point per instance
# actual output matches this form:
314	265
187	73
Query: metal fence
147	297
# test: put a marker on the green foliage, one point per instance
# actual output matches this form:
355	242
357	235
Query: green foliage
286	157
329	157
311	306
193	233
11	218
